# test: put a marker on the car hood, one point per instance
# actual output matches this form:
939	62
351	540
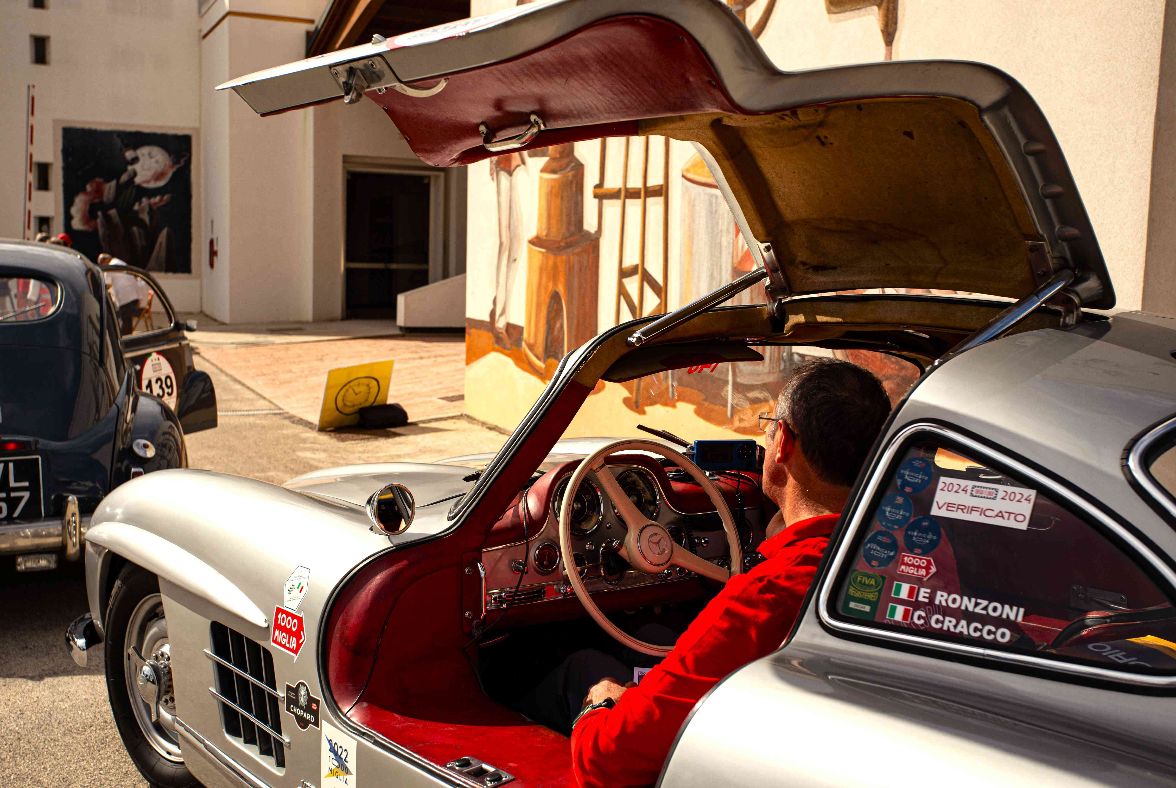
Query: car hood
927	175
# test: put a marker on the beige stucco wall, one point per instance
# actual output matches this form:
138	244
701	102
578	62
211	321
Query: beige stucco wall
124	64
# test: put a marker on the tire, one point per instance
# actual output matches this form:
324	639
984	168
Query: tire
134	617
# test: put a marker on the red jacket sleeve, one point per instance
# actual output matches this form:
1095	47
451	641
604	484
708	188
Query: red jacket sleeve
750	618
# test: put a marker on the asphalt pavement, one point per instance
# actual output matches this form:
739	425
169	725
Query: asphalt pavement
55	723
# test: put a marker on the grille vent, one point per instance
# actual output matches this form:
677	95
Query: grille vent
247	691
507	597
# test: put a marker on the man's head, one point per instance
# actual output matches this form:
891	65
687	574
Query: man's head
827	418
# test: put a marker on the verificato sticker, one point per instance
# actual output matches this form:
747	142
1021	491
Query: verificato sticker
992	504
337	761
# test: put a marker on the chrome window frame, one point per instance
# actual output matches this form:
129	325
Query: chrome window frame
859	519
1140	469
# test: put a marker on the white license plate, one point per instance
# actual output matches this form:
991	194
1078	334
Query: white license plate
20	489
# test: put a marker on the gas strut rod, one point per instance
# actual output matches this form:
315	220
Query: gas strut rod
680	316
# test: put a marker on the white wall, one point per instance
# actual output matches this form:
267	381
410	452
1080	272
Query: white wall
129	64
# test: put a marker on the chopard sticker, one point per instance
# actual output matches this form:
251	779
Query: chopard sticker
296	587
920	567
302	706
337	759
288	631
922	535
894	512
880	549
992	504
862	595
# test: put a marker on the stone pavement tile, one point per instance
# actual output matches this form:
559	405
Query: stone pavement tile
427	379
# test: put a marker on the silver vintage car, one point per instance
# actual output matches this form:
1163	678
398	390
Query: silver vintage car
996	606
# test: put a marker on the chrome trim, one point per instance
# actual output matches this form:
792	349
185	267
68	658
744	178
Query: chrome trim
1142	474
243	674
80	637
513	142
861	514
233	768
1013	314
38	536
676	318
71	529
265	727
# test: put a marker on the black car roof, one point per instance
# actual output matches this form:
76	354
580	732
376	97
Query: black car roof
79	305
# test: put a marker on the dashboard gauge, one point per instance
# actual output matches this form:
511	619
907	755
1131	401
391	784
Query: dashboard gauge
642	491
681	536
546	558
586	507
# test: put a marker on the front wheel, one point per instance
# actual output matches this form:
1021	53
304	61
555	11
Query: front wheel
139	679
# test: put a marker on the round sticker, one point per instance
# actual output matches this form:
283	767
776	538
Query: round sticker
922	535
914	475
158	379
880	549
894	512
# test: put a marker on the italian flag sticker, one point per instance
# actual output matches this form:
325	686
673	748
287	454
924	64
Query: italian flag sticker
898	613
904	591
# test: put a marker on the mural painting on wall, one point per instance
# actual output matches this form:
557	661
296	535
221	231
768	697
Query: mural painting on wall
663	236
129	193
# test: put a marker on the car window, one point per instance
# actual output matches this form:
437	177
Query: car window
139	309
1162	467
24	299
957	550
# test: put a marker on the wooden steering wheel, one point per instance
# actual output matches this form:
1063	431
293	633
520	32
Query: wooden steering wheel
648	546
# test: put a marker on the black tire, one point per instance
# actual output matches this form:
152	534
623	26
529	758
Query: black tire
133	587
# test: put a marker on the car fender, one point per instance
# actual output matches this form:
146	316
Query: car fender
156	423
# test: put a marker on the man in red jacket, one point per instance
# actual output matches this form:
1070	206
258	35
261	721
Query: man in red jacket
826	420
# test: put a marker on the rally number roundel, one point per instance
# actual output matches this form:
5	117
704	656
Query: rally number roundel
158	379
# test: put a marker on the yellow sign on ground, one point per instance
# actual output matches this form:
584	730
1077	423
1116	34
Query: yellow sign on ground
350	388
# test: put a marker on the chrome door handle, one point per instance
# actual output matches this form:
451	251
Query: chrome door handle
511	143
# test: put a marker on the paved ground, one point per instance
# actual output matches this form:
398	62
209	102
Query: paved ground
55	724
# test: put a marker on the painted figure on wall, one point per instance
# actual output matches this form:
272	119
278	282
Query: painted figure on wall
130	194
507	172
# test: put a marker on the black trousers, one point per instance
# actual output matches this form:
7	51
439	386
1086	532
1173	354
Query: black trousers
546	677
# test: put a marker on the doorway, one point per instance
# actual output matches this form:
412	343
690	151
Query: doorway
391	218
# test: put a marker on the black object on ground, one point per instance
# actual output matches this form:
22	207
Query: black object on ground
381	416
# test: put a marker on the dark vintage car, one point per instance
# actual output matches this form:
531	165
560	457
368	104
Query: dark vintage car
996	604
73	423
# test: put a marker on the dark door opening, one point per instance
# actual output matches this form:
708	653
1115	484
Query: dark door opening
387	240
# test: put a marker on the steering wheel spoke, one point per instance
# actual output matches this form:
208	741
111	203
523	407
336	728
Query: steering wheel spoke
630	514
698	565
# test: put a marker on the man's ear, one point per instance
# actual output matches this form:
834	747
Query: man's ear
785	443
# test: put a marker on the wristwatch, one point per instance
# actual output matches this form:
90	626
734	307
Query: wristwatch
607	703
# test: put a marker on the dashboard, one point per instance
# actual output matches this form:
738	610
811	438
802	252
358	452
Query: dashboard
529	571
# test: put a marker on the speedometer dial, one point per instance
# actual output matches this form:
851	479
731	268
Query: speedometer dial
642	491
586	507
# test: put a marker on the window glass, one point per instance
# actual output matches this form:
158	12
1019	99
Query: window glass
137	306
1162	467
39	50
23	299
959	551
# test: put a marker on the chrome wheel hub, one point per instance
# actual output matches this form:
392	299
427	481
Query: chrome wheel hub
149	677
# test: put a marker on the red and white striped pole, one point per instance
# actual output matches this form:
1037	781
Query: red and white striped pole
30	114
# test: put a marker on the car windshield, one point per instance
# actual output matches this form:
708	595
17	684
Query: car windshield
24	299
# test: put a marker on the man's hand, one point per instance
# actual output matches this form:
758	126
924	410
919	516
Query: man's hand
606	688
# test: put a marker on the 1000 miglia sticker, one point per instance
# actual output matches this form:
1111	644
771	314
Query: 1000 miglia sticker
905	573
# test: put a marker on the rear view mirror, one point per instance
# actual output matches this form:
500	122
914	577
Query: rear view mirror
391	509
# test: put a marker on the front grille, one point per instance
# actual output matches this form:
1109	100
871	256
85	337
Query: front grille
247	692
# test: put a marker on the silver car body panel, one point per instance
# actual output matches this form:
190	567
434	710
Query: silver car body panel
878	708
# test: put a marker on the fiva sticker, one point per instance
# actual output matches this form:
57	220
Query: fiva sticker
297	584
337	759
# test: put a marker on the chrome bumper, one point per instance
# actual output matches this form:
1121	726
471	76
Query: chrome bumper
80	637
44	536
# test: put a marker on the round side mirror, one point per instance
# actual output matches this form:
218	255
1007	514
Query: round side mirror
391	509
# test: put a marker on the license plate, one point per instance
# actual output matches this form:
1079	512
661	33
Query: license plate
20	488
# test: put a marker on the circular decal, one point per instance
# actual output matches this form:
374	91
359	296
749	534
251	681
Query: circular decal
914	475
357	393
880	549
894	512
922	535
157	378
